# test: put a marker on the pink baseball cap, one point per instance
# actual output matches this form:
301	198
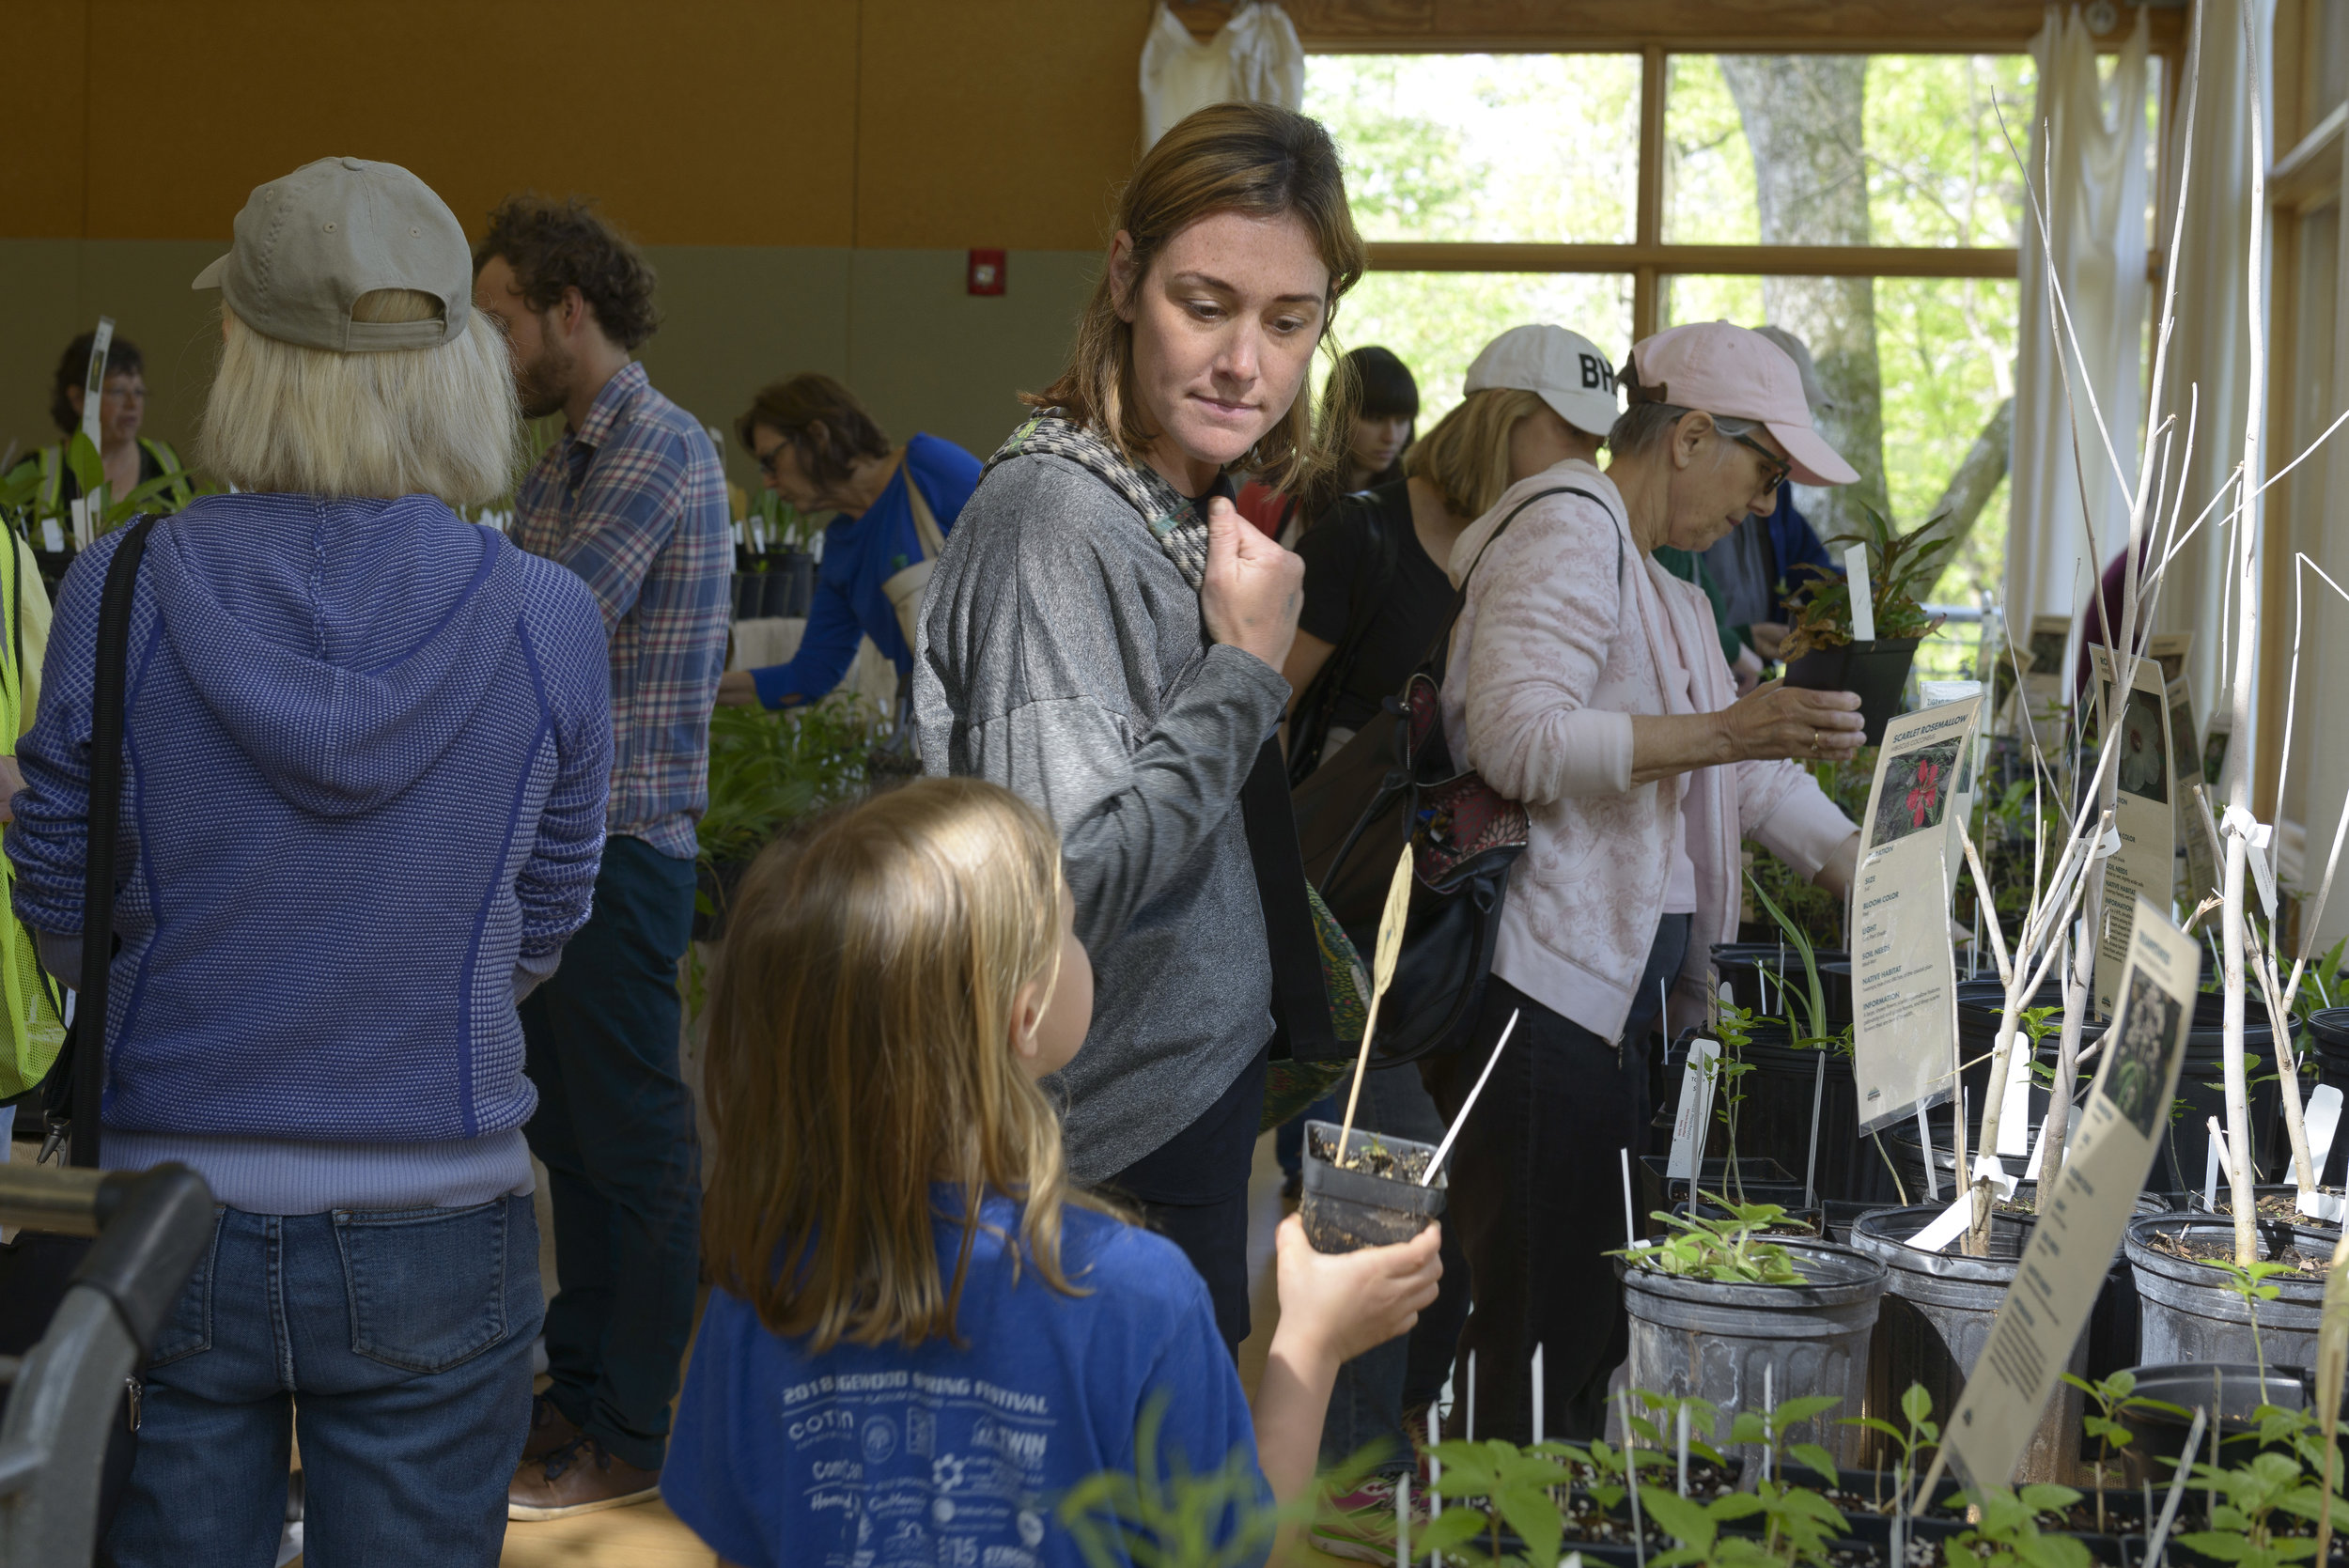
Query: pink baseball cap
1728	369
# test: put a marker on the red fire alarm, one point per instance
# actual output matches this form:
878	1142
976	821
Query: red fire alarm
987	273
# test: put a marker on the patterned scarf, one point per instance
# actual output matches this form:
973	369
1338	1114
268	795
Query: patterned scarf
1179	527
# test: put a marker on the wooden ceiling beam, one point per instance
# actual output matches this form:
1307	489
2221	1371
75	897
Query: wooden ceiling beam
1710	26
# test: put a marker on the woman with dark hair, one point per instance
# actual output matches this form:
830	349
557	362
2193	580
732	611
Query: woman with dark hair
131	459
893	508
1372	398
1105	636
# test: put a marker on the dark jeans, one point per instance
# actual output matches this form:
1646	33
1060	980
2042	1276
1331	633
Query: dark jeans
1192	1189
1536	1200
615	1125
396	1345
1375	1389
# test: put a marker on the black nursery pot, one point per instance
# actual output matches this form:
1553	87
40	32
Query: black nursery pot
791	587
1876	670
1345	1211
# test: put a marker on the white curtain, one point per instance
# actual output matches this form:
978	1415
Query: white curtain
2088	163
1255	59
2208	358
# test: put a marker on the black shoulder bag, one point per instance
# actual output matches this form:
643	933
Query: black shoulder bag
36	1267
1395	784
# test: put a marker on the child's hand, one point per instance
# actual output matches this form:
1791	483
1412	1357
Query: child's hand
1341	1304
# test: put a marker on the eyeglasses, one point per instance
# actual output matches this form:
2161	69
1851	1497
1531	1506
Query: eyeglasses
769	458
1774	468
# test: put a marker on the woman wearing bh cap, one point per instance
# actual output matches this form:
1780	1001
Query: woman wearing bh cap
1588	683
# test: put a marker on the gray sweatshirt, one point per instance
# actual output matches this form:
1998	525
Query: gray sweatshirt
1062	655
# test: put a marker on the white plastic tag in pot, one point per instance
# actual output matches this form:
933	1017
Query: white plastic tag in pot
1696	1111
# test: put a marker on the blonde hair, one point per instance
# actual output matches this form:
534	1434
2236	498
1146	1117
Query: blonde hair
1261	162
1466	456
859	1051
445	421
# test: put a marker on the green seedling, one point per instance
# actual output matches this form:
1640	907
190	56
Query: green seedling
2006	1532
2115	1397
2249	1283
1727	1251
2243	1529
1921	1434
1488	1484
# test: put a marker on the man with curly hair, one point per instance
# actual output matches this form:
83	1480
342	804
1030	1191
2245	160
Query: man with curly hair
633	501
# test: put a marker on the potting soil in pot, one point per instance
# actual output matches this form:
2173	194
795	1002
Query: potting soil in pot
1937	1313
1374	1198
2188	1312
1693	1336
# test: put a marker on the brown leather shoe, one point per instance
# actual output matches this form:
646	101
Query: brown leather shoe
582	1477
549	1429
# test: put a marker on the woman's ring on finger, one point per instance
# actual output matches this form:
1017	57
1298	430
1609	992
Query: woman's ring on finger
1815	741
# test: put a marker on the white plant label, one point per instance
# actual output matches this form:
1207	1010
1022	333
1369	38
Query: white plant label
2202	855
1863	600
94	382
1903	975
2085	1207
2014	1105
1696	1111
1943	1228
52	536
2323	1118
2139	793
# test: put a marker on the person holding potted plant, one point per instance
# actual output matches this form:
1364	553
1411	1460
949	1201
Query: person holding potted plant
1105	635
1589	684
893	508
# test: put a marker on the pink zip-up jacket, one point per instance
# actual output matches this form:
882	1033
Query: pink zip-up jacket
1562	641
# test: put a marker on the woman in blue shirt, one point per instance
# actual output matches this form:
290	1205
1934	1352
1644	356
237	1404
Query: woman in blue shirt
821	452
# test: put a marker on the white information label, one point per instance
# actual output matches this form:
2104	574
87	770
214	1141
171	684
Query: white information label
1696	1111
2144	866
2087	1205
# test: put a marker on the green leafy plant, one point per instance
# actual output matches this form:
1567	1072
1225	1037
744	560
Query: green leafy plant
1796	1523
1488	1485
1657	1423
2006	1533
2248	1284
2245	1528
1814	994
767	769
1166	1514
1919	1434
2114	1397
1901	566
1727	1251
1726	1072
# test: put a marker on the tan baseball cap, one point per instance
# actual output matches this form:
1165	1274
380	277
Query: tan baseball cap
309	243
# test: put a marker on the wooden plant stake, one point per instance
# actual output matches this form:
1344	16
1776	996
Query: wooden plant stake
1381	975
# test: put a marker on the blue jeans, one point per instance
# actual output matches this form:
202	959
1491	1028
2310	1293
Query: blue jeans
615	1125
396	1343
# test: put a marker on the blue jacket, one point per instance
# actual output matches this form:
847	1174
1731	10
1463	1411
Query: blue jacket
1794	543
860	554
365	746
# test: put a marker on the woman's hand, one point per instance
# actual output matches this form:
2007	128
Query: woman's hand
1253	589
736	689
1780	721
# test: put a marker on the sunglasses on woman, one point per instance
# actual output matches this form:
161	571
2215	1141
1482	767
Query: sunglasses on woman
1774	468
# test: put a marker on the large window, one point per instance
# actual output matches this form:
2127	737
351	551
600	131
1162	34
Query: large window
1868	203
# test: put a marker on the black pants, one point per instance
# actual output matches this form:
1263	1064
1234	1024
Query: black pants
615	1125
1536	1202
1192	1189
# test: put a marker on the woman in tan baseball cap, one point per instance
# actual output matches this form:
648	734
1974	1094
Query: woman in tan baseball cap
1588	683
373	745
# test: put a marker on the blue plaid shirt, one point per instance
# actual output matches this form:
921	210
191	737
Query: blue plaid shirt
634	501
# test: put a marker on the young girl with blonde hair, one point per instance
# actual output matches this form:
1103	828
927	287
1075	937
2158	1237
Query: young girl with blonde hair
923	1336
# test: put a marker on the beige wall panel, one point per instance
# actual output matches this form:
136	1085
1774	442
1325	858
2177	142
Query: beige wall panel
927	356
41	136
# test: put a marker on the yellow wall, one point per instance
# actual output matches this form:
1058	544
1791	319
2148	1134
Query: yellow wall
805	174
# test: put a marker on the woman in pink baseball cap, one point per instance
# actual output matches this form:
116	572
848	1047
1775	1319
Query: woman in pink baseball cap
1588	683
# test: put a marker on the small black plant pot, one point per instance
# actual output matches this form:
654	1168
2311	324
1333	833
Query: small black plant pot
1877	671
750	595
791	589
1347	1210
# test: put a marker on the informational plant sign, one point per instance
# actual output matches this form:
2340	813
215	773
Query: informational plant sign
2139	793
2094	1197
2044	686
94	382
2169	650
1903	982
2193	830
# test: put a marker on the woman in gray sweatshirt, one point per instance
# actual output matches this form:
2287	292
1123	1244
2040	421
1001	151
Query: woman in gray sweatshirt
1104	635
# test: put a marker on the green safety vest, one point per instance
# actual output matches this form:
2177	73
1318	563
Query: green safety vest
50	498
35	1005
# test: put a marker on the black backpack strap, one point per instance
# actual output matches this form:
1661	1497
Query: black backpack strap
111	672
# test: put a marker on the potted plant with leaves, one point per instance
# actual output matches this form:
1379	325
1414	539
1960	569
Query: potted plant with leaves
1821	652
767	770
1720	1313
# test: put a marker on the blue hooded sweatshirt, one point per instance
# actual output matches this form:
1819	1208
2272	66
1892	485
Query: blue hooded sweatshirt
366	747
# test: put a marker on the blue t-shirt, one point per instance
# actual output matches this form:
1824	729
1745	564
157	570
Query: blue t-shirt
879	1456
